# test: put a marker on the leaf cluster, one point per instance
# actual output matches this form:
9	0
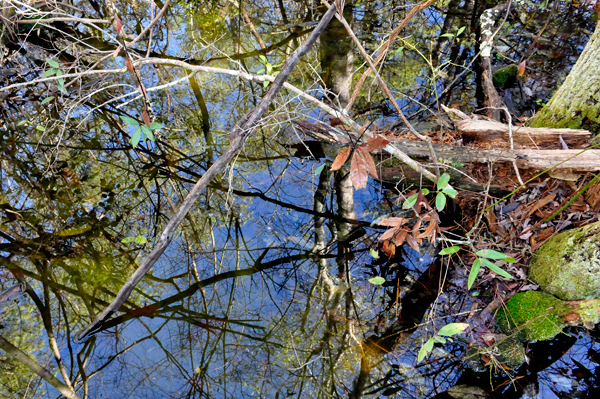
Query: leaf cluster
447	331
55	70
362	164
146	128
483	258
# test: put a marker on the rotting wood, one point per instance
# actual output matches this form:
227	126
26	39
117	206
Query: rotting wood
482	131
578	161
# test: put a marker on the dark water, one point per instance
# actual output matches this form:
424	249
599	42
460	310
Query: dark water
264	291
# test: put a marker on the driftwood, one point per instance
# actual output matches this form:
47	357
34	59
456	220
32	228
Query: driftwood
482	131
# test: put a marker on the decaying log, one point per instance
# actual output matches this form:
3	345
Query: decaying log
497	134
575	160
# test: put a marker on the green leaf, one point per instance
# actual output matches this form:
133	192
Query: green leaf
495	255
156	126
399	50
148	133
447	35
145	129
450	192
52	63
496	269
474	272
61	85
129	121
263	59
461	30
266	83
262	70
377	280
443	181
47	100
425	191
127	240
140	240
450	250
438	340
319	170
452	329
410	201
425	349
49	72
269	68
40	128
374	253
23	122
135	137
440	201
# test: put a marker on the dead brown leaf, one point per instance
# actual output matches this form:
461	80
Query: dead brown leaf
128	63
376	142
410	240
363	153
341	158
393	222
358	172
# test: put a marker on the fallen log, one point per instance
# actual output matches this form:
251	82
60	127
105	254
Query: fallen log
473	162
497	134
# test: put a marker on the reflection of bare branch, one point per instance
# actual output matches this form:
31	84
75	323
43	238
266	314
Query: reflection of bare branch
239	134
22	357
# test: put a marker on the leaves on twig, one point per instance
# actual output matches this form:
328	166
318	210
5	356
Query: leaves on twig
146	118
128	63
362	164
118	25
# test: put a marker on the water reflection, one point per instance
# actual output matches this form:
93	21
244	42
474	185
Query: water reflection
264	291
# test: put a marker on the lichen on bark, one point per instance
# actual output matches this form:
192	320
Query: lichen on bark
576	104
568	265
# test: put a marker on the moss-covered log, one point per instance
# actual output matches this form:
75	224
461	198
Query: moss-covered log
576	104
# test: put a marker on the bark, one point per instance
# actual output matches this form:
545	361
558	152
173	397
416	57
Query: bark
488	20
481	131
576	104
337	59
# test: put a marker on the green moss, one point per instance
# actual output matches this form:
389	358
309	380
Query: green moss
505	77
568	265
532	316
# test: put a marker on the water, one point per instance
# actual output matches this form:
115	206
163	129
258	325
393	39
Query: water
256	296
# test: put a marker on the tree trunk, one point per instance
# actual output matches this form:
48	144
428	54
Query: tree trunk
576	104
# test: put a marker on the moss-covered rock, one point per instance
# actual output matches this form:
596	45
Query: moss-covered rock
506	77
537	316
568	265
532	316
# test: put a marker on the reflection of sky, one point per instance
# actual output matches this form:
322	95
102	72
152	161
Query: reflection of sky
147	370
